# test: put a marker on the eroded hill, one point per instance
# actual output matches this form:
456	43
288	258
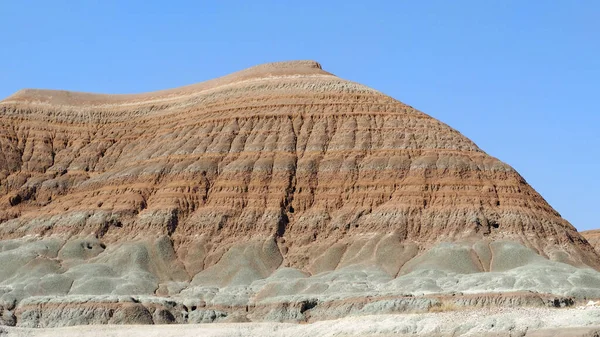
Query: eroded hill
280	185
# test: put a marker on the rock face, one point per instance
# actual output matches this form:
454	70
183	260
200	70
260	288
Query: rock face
593	237
280	171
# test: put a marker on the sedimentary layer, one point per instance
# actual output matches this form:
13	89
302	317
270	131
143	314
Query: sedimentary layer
494	322
280	169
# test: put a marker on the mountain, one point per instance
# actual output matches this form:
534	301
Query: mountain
268	193
593	237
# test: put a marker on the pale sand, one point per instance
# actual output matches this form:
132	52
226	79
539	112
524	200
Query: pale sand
580	321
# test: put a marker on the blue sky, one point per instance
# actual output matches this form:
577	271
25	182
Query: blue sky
520	78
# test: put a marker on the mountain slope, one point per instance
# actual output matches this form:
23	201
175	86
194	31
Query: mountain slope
279	168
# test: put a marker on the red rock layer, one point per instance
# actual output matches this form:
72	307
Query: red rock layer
284	150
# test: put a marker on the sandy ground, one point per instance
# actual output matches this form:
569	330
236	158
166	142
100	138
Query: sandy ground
541	322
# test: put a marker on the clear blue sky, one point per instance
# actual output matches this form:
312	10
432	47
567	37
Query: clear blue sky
520	78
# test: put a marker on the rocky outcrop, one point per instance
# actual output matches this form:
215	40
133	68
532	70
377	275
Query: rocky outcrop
284	150
280	169
82	310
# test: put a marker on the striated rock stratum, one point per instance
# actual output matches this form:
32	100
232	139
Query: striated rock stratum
267	194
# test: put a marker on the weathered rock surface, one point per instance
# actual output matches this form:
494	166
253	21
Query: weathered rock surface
489	322
593	237
263	194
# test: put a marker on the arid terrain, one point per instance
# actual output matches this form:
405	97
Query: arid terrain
486	322
276	195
